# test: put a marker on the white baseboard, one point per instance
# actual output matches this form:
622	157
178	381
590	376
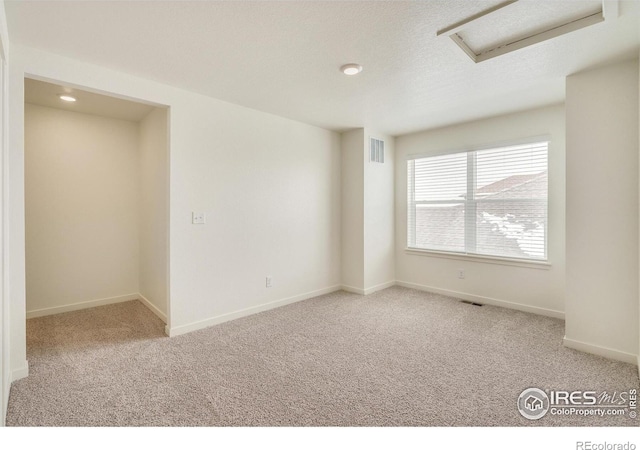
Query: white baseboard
154	309
367	291
485	300
176	331
21	372
379	287
81	305
600	351
353	290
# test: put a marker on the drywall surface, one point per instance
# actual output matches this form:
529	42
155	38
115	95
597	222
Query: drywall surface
15	242
81	194
379	245
539	290
154	209
5	369
270	188
367	213
602	209
352	148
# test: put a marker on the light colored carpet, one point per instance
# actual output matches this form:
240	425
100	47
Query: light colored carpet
396	357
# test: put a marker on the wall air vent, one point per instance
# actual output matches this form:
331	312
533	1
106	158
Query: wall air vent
515	24
376	150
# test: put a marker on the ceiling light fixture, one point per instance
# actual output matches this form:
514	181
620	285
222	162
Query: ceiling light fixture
351	69
67	98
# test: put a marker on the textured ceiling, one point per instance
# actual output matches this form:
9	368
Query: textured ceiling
283	57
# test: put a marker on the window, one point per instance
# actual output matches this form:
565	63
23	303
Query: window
489	202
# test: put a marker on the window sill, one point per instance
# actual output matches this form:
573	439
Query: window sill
541	265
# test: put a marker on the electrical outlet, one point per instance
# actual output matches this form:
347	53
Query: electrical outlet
268	282
198	218
461	274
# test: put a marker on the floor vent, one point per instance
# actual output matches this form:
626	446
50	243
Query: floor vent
467	302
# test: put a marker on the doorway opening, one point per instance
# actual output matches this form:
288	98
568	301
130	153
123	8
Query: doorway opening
96	201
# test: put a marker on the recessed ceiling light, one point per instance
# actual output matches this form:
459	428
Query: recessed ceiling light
351	69
67	98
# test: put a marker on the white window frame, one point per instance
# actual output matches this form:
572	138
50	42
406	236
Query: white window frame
490	259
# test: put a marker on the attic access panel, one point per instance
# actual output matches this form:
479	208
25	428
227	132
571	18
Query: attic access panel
514	24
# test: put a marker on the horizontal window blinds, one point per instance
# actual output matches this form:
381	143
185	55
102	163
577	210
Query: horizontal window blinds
489	202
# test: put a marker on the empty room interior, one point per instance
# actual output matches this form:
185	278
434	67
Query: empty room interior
360	213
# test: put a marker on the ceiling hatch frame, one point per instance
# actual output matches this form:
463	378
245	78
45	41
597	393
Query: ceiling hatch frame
608	11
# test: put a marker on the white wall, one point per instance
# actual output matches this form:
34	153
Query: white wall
15	241
154	210
379	245
271	190
602	211
81	192
270	187
367	214
529	289
5	374
352	167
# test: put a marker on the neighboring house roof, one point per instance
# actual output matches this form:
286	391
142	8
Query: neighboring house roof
516	186
508	183
495	228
